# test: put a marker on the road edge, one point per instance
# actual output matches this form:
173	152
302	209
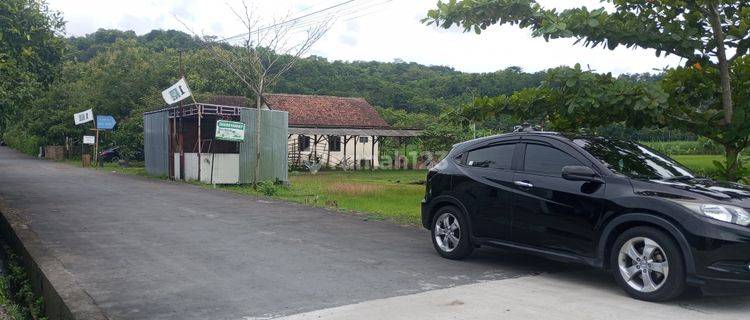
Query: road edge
63	297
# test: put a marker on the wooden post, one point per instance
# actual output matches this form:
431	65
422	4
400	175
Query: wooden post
180	135
355	152
315	148
213	157
346	163
96	147
200	141
372	153
299	148
328	161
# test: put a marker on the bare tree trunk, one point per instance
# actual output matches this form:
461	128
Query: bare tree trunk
721	54
732	163
258	103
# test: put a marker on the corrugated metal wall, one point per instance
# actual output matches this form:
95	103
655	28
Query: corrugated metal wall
274	133
156	143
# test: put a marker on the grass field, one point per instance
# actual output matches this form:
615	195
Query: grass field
702	165
381	194
135	169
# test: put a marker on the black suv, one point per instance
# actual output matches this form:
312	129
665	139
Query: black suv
606	203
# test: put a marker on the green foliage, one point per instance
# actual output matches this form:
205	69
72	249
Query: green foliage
708	97
22	141
399	118
570	99
695	105
677	27
16	294
739	171
269	188
30	53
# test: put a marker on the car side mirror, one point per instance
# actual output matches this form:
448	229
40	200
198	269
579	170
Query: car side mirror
581	173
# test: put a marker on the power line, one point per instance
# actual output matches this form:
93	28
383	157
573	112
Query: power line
290	20
341	12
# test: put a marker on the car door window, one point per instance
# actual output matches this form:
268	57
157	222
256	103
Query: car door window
494	157
547	160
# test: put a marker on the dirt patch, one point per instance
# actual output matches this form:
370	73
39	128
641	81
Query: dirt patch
355	188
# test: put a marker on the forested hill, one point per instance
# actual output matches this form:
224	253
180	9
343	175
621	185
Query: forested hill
401	85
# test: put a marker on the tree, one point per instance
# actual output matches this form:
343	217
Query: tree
267	53
30	53
700	31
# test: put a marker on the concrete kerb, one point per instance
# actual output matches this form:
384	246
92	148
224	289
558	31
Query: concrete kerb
63	297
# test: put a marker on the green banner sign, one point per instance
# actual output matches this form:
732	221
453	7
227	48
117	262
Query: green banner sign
230	131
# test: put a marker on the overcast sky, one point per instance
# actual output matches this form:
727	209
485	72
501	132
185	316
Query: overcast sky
368	30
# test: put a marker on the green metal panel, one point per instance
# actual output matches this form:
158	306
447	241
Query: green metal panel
274	130
156	143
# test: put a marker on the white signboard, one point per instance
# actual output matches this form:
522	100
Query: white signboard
83	117
177	92
89	140
230	131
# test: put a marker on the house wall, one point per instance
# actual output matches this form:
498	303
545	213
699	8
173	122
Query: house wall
364	152
226	167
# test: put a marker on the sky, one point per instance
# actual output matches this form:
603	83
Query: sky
367	30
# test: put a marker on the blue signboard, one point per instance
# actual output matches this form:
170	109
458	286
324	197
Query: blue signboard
105	122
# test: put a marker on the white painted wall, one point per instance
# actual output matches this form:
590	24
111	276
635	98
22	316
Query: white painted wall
364	151
226	167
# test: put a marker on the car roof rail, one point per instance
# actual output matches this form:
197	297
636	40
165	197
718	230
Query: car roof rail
526	127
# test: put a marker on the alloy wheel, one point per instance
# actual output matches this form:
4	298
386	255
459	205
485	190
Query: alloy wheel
643	264
447	232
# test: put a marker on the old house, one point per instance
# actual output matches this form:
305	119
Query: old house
339	132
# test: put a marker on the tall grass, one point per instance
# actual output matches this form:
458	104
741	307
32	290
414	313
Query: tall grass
697	147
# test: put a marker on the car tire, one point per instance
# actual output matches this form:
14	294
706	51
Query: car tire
648	264
449	225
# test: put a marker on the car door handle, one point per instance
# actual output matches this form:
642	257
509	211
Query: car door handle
523	184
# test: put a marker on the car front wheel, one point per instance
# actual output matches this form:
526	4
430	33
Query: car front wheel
450	234
648	264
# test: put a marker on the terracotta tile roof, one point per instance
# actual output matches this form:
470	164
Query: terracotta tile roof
235	101
326	111
314	111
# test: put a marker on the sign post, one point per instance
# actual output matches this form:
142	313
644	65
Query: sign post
227	131
105	122
89	140
176	93
81	118
230	131
102	123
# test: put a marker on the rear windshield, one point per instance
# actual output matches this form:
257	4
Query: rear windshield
632	159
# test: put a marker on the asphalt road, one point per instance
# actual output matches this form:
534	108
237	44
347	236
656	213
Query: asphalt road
151	249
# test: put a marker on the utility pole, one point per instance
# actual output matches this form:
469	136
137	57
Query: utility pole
180	135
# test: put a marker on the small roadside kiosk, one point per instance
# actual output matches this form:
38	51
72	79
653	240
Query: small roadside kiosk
181	142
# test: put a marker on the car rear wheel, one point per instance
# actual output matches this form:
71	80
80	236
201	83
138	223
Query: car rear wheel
648	264
450	234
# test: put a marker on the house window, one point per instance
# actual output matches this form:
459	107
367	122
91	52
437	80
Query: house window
303	142
334	143
364	139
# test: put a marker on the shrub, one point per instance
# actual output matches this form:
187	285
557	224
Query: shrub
269	188
22	141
